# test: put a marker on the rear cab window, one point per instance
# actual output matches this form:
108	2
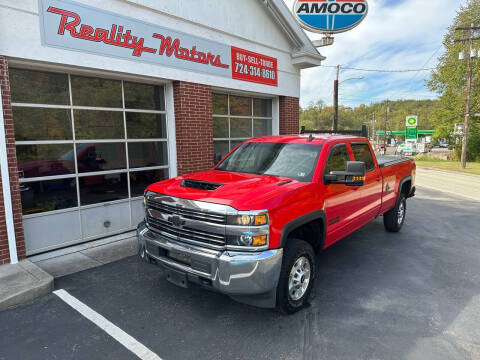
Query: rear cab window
361	152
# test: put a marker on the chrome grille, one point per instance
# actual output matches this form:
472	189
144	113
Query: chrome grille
187	213
186	234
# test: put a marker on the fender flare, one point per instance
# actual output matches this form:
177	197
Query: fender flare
302	220
400	185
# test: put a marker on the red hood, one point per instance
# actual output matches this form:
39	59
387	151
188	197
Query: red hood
239	190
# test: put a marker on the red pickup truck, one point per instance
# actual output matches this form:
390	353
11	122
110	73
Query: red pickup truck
251	226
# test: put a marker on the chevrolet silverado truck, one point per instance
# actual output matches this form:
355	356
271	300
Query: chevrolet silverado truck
252	226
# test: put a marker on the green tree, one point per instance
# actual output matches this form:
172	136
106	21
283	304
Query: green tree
449	81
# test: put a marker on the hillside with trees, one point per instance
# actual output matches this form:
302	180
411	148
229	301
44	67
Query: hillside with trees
318	116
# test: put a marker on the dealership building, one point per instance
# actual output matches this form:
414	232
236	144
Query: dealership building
100	99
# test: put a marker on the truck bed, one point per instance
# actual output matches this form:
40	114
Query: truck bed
384	161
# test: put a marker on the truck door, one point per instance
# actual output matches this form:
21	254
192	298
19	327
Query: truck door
371	192
342	203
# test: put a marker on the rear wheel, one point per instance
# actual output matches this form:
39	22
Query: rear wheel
393	220
296	277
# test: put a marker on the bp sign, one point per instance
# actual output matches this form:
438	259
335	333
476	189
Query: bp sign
412	121
330	16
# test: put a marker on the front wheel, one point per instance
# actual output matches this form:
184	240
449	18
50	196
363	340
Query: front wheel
296	277
393	219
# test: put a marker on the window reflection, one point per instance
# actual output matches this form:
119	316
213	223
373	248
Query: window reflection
45	160
42	124
103	188
144	154
101	157
41	196
139	180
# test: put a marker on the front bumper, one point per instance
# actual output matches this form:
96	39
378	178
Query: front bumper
249	277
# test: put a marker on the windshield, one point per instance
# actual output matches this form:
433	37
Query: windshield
296	161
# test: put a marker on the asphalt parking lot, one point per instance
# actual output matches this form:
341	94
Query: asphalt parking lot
412	295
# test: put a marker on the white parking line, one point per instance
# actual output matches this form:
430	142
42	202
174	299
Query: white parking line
114	331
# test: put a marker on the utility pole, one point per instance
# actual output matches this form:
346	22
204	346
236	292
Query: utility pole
335	101
387	110
471	55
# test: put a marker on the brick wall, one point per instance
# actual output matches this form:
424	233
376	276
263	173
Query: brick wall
13	170
289	115
194	126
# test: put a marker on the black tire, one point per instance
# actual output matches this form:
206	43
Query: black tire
295	250
394	219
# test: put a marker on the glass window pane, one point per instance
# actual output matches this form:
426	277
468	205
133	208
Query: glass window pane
139	180
262	127
102	188
220	104
220	127
92	124
362	153
88	91
240	106
38	87
262	107
45	160
220	149
145	154
338	159
146	126
41	196
42	124
143	96
101	157
235	143
240	128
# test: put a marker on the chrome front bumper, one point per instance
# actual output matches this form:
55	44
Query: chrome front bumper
249	277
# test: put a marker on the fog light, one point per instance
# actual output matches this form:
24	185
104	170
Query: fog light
246	239
259	240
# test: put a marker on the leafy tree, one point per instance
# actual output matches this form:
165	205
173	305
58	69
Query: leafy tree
449	81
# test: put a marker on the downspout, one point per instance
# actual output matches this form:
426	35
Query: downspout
7	197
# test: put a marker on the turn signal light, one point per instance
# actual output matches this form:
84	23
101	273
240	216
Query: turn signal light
260	219
259	240
358	178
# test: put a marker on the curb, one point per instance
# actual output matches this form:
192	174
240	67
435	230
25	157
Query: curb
41	284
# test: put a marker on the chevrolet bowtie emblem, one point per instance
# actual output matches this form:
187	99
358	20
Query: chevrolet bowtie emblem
176	220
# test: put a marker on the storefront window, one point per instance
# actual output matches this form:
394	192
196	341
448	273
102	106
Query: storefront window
237	118
111	141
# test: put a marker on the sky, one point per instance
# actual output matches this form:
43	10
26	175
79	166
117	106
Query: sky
395	35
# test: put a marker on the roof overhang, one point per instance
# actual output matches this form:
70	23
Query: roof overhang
304	54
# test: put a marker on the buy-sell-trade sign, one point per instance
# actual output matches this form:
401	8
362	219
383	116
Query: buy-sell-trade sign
412	121
330	17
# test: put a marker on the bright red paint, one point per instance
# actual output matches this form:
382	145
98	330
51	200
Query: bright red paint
354	206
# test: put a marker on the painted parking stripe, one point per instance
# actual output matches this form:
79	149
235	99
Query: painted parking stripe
114	331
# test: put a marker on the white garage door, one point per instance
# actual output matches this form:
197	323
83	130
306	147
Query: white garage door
86	149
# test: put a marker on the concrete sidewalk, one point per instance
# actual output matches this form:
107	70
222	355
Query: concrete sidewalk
34	278
88	255
22	283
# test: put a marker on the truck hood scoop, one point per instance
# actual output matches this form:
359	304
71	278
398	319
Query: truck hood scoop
200	185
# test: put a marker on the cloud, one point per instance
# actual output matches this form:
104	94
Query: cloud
396	34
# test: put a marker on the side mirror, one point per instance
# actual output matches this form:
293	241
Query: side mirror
354	176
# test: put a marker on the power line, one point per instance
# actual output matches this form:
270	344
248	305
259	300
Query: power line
379	70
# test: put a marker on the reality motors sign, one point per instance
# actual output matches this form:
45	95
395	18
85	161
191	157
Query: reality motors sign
74	26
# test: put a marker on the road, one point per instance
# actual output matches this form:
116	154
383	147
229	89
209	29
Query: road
411	295
459	184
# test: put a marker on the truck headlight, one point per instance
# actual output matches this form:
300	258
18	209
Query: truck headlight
247	229
248	219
